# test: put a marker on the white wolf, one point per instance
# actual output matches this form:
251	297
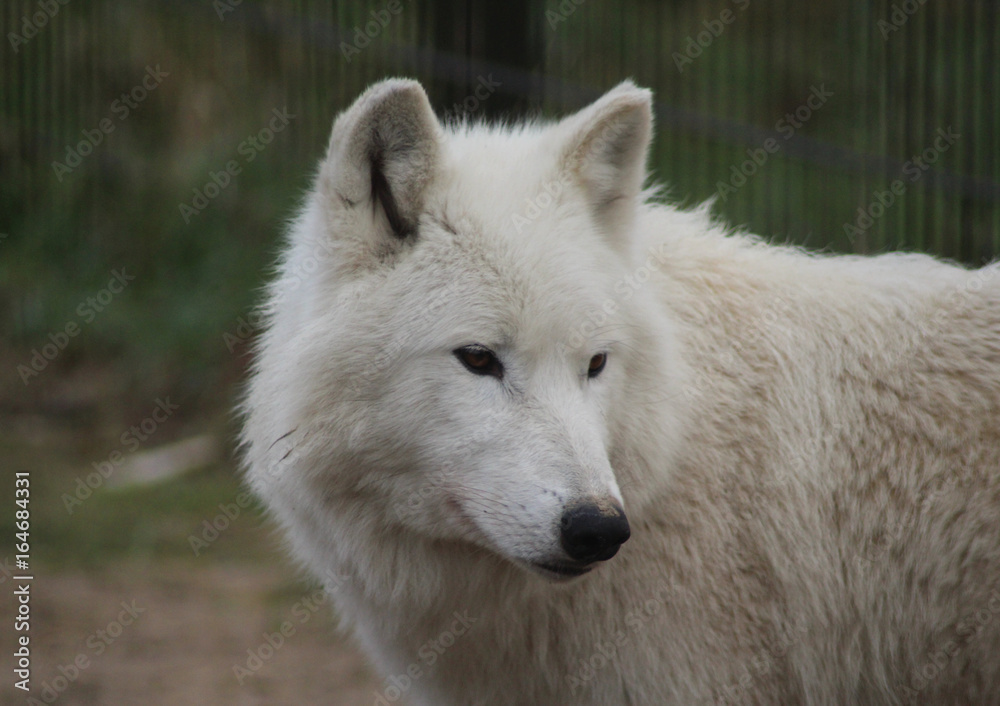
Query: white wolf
487	348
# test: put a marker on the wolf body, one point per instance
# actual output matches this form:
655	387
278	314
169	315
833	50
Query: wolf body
478	330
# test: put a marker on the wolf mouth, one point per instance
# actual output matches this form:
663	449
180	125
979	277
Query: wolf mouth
562	570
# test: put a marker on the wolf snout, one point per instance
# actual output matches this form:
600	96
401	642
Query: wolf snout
593	531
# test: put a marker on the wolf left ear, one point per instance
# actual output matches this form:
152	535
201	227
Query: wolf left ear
607	152
382	157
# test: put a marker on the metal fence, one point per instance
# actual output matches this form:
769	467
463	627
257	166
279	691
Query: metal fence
853	125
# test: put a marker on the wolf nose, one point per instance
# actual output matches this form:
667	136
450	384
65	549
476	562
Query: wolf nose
591	532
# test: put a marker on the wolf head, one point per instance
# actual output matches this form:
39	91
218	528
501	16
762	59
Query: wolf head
455	334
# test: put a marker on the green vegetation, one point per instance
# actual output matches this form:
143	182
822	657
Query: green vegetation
168	94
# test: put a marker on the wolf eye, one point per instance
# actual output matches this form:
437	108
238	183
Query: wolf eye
597	364
480	361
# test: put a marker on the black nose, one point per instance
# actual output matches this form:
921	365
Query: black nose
591	532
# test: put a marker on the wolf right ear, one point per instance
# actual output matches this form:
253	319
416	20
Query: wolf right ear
606	150
382	157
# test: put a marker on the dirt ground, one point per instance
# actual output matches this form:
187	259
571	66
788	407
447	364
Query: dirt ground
187	632
123	611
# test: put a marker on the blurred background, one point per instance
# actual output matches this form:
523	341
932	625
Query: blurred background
152	151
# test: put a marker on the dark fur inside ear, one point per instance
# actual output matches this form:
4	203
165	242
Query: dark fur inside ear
382	159
381	194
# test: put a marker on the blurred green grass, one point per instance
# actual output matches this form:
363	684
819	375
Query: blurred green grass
146	524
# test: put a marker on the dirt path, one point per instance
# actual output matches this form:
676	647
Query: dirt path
186	632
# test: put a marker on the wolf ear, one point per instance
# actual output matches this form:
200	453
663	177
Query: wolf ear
382	157
606	152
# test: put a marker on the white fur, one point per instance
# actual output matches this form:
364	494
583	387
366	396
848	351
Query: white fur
807	447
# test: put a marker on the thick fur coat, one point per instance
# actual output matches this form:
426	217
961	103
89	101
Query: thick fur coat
807	447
